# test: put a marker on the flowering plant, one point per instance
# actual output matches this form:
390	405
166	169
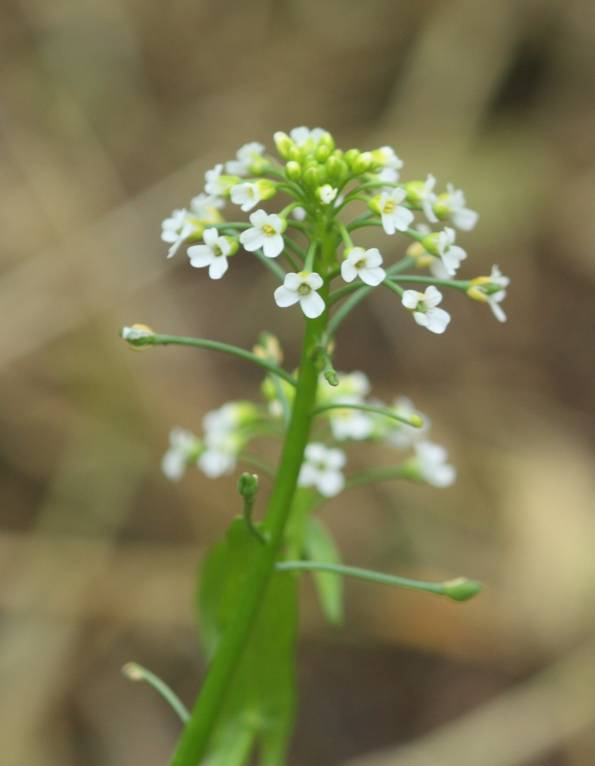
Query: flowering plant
247	596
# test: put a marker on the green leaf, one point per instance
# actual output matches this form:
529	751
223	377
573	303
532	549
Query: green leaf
260	705
319	545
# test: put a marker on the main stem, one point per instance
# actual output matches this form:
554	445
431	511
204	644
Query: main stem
193	743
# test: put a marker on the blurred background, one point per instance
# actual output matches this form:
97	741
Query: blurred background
110	113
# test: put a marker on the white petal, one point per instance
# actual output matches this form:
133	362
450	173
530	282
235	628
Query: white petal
335	458
402	217
276	222
373	257
200	255
173	464
438	320
312	305
432	296
292	280
348	271
411	298
372	276
272	245
314	280
214	463
218	267
258	218
388	223
252	239
210	236
330	483
285	297
316	452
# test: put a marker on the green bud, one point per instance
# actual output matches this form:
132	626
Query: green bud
374	204
293	170
430	243
351	156
314	175
337	169
248	485
284	144
441	207
327	141
258	166
266	188
461	589
234	244
415	190
363	163
322	153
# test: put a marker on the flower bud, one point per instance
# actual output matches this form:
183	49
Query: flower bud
363	163
415	191
284	144
248	485
293	170
441	207
266	188
477	289
430	243
268	347
337	169
374	204
234	245
326	194
423	259
314	175
351	156
322	153
461	589
327	141
137	335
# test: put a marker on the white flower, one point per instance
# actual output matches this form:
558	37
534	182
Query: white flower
214	184
350	423
461	216
301	288
183	445
183	223
298	213
400	434
265	233
427	198
218	458
394	216
213	253
451	254
326	194
390	164
176	229
301	136
247	195
494	300
364	264
222	440
322	469
432	466
245	156
424	309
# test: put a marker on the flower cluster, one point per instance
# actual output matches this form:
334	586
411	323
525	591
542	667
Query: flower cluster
347	414
320	182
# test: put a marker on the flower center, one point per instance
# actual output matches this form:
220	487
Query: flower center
268	230
304	289
389	206
361	263
217	251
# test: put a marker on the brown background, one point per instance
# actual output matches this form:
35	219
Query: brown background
109	114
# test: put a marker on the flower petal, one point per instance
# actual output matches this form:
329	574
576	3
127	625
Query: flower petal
312	305
252	239
200	255
348	271
218	267
285	297
272	245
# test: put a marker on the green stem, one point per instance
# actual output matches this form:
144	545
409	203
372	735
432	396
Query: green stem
136	672
212	345
271	265
194	741
457	284
454	589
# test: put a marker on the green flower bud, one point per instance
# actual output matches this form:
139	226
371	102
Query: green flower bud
430	243
351	156
248	485
266	188
322	153
314	175
363	163
415	191
284	144
337	169
293	170
441	207
461	589
374	204
327	141
234	244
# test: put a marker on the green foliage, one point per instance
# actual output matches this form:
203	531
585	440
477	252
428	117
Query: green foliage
319	545
260	705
